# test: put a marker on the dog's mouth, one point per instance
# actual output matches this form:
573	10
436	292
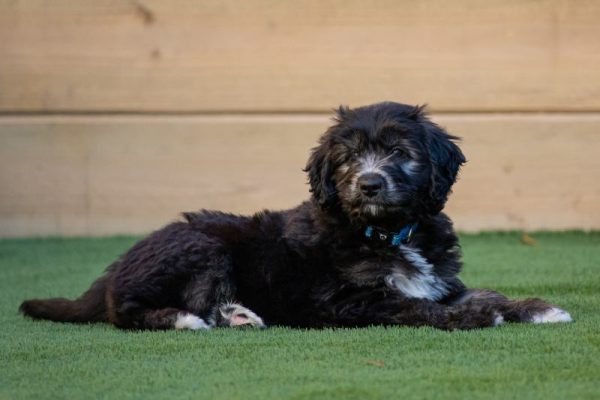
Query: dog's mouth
371	209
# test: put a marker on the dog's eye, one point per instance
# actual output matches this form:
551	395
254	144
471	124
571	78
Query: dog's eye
399	152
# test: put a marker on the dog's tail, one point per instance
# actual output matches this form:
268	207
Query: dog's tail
89	307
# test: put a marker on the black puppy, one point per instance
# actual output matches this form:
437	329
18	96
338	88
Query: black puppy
371	247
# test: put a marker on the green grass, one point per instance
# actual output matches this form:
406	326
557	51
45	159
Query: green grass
44	360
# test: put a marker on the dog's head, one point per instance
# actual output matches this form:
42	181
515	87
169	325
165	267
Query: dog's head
384	160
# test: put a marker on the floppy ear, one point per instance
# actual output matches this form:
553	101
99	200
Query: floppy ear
320	174
320	167
446	159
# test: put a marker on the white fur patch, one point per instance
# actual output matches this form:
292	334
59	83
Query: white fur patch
190	321
422	284
551	316
410	167
498	319
372	209
371	164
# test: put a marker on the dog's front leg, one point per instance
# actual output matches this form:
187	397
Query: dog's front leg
388	308
528	310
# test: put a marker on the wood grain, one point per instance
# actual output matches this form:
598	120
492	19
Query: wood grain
262	55
106	175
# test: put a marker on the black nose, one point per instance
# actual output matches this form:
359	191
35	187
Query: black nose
370	184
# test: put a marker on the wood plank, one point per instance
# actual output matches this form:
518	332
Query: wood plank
260	55
527	172
108	175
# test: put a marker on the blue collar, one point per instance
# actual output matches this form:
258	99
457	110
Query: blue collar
394	238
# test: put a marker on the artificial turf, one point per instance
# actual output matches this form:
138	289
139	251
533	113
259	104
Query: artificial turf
44	360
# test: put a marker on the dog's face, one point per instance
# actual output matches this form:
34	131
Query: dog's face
383	161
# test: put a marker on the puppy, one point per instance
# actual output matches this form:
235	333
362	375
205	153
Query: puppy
371	247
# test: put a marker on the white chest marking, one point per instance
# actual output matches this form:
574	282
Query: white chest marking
421	284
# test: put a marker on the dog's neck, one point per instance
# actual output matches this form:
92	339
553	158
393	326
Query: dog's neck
385	231
393	238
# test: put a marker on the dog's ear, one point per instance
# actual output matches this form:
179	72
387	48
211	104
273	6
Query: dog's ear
320	167
320	173
446	158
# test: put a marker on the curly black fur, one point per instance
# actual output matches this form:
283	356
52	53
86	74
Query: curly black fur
312	266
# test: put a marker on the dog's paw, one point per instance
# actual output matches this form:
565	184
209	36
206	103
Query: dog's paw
551	315
233	314
190	321
498	319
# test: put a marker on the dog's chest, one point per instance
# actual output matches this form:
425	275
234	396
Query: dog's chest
419	280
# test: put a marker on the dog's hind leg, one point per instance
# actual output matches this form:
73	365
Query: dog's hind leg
234	314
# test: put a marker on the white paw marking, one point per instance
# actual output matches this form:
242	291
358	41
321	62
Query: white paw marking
498	319
552	315
238	315
190	321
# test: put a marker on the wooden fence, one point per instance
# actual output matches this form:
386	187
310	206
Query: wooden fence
117	115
